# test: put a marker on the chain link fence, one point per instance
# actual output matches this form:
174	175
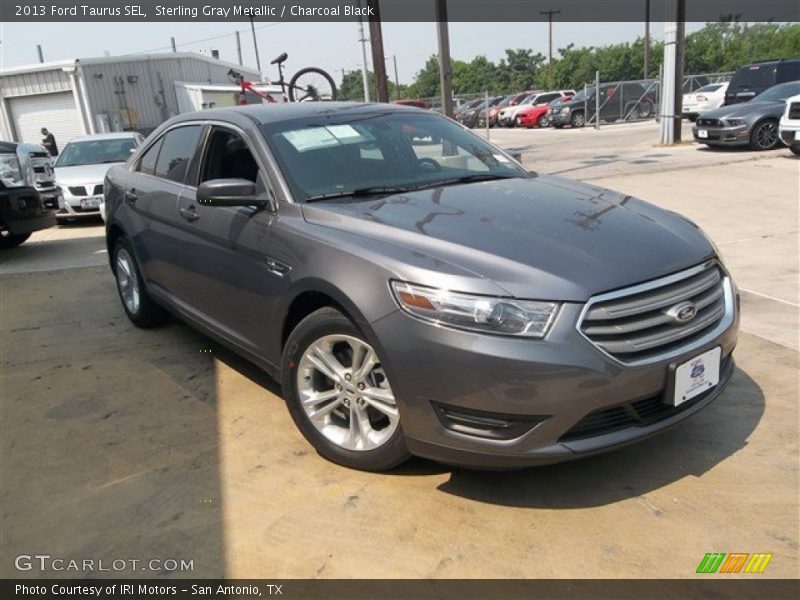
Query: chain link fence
617	101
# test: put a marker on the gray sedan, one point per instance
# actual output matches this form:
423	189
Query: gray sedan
415	289
753	123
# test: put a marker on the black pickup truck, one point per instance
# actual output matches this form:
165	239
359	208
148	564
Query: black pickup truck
23	207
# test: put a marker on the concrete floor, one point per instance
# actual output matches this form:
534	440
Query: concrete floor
121	443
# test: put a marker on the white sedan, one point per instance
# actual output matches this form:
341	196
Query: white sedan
702	100
81	168
789	128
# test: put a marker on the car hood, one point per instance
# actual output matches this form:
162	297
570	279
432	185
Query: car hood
544	237
745	109
83	174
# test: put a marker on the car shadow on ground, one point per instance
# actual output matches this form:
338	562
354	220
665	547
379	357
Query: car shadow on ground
688	449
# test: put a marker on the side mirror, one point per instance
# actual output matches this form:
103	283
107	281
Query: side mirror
229	192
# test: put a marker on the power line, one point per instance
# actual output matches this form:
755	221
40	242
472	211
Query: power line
208	39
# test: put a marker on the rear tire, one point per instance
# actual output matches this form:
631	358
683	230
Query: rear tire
322	381
311	76
136	302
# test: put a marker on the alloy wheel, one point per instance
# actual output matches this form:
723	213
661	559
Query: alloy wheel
127	281
345	393
766	135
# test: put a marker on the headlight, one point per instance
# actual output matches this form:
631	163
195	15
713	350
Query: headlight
10	171
565	109
735	122
505	316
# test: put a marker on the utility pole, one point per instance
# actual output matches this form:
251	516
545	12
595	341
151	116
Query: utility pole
378	60
445	68
396	78
41	54
174	47
344	72
550	14
255	44
239	47
646	39
364	71
672	87
679	54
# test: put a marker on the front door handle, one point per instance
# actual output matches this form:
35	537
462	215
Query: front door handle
190	214
130	196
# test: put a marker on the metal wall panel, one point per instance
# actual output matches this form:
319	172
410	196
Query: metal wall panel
146	85
37	82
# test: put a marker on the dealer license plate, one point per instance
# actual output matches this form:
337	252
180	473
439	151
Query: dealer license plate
702	133
93	202
696	376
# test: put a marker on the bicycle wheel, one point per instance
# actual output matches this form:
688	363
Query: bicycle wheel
311	84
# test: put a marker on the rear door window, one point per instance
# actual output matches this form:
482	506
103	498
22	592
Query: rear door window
177	150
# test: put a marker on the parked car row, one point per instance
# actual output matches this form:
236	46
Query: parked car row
36	192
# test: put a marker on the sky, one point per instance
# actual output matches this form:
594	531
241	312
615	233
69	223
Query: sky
332	47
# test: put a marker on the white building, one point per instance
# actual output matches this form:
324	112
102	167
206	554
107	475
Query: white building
91	95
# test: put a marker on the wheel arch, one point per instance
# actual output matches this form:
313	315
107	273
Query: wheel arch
314	294
113	233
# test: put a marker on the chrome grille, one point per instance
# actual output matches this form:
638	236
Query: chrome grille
43	176
636	324
77	190
701	122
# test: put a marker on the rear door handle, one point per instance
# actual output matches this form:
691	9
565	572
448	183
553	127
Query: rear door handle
189	214
130	196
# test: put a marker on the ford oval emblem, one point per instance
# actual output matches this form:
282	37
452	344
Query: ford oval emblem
683	312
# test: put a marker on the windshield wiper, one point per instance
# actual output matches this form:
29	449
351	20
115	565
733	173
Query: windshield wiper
471	179
358	192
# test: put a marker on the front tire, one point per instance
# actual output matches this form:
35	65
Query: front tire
577	119
339	394
136	302
11	240
765	135
795	150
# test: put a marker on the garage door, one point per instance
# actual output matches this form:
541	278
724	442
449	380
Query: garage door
57	112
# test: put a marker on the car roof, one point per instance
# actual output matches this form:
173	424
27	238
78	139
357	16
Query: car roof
116	135
275	113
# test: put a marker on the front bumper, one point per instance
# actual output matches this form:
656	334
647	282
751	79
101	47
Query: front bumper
789	132
738	135
560	118
71	205
22	211
550	386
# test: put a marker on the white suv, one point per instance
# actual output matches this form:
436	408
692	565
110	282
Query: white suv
790	124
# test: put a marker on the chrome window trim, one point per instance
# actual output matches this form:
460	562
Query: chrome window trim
721	327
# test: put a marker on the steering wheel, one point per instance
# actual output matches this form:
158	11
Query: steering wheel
429	161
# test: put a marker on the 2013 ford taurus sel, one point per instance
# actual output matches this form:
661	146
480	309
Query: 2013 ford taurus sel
415	289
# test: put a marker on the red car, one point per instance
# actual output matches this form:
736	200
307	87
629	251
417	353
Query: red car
531	116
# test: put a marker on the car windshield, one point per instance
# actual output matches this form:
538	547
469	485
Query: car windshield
584	94
386	152
96	152
779	93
